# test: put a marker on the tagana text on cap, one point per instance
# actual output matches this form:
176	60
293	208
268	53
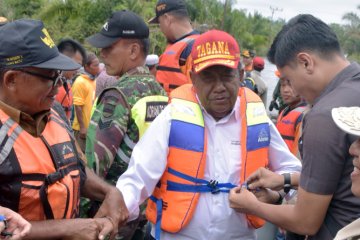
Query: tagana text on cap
215	48
27	43
164	6
121	24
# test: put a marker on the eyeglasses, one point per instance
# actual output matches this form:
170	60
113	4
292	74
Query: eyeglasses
55	79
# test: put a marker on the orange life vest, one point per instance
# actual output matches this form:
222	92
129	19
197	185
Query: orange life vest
289	125
39	176
187	158
65	98
169	73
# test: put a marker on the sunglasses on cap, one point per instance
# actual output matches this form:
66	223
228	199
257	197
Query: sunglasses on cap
55	79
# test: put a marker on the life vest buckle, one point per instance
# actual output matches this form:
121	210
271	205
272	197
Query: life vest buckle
54	177
213	184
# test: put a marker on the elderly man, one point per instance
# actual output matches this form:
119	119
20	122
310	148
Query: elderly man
42	173
307	52
210	137
175	24
124	110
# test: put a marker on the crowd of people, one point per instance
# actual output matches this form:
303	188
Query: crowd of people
130	145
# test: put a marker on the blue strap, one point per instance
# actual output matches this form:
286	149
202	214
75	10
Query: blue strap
213	188
158	219
202	186
205	186
187	177
159	207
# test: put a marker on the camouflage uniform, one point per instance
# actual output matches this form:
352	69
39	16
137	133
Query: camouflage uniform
113	133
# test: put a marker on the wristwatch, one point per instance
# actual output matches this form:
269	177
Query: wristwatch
287	182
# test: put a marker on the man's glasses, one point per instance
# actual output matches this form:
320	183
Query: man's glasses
55	79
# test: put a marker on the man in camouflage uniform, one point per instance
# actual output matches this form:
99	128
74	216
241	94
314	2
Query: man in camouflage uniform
123	111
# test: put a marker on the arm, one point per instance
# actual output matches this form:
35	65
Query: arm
79	96
147	164
113	115
305	217
112	206
281	160
79	116
264	178
66	229
16	225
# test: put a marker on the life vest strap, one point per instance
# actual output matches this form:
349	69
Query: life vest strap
285	137
169	69
50	179
212	186
159	208
203	185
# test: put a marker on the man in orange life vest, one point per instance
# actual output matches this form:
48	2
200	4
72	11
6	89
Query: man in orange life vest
174	64
42	172
76	51
206	141
289	120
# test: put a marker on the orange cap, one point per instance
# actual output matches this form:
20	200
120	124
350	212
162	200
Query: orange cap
215	48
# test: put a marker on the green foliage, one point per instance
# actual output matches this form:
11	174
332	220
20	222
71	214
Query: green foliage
79	19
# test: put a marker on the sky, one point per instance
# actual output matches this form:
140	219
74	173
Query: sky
330	11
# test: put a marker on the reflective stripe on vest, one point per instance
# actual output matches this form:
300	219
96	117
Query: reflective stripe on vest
187	157
169	74
40	174
287	126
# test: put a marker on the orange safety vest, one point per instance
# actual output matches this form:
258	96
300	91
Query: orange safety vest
169	73
65	98
289	124
39	176
187	158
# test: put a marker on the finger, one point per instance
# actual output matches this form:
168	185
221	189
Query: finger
26	229
107	228
235	190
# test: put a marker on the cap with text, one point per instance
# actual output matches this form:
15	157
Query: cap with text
27	43
164	6
347	119
215	48
121	24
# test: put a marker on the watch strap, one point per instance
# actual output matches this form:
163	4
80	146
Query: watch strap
287	182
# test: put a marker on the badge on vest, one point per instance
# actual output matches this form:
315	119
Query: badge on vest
258	136
153	109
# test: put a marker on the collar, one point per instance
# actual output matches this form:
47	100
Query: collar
193	32
234	113
139	70
34	125
347	73
13	113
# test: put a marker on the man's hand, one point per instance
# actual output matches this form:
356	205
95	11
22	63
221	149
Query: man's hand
89	229
264	178
114	208
242	200
266	195
16	224
82	132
